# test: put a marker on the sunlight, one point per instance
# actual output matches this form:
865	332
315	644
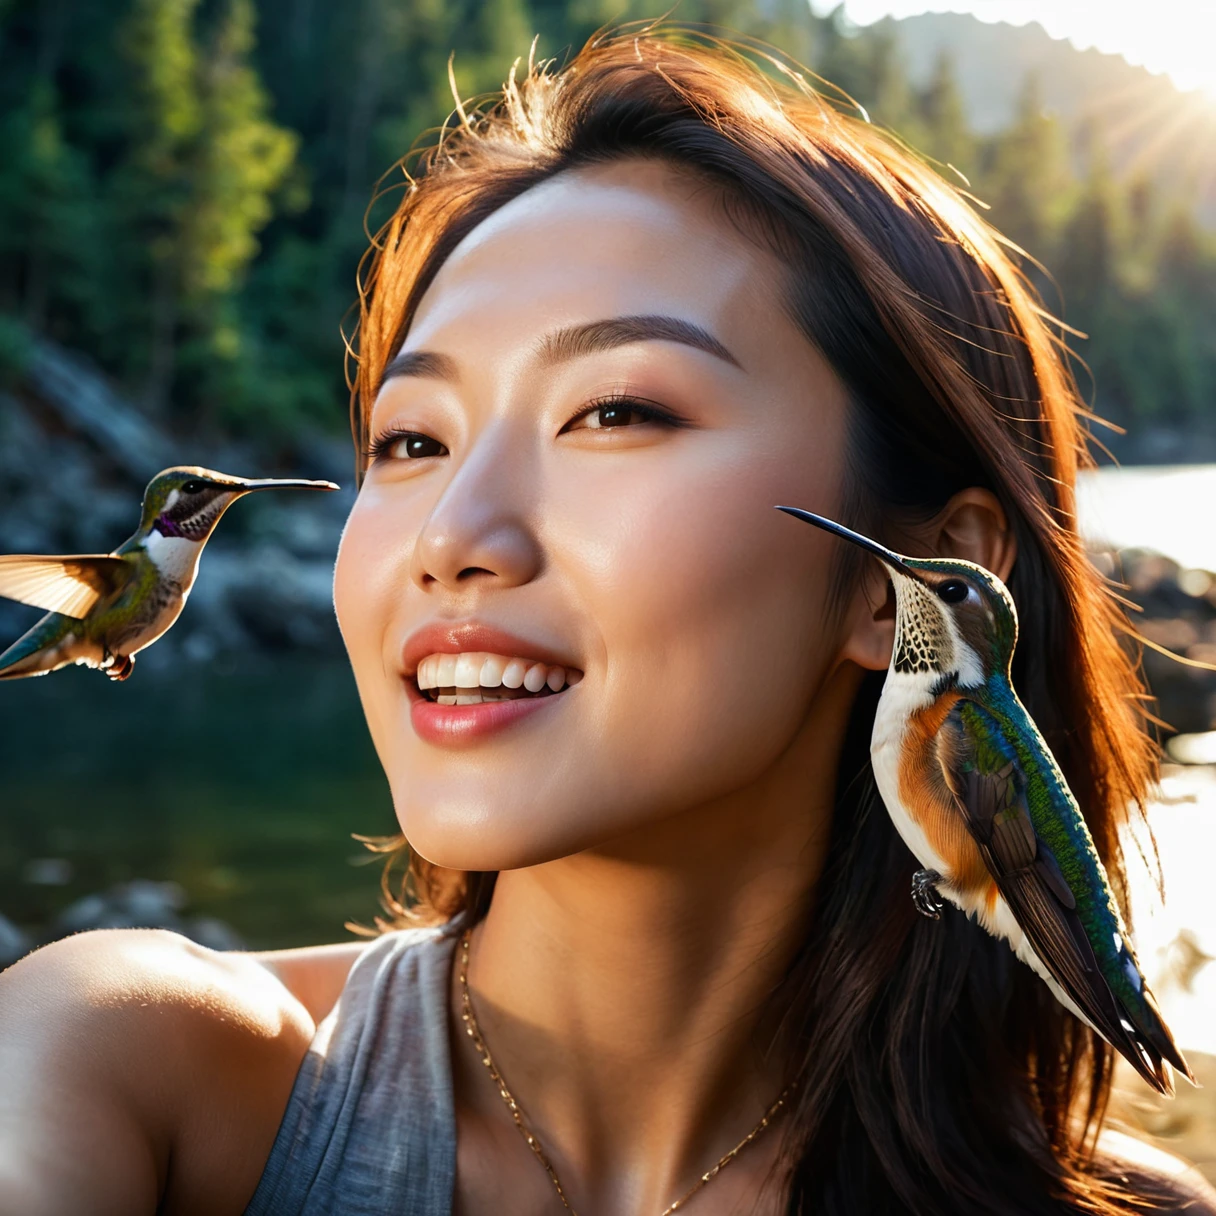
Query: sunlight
1170	36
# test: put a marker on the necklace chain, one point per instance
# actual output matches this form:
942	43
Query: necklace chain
517	1115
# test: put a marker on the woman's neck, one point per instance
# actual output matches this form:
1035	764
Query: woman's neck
622	990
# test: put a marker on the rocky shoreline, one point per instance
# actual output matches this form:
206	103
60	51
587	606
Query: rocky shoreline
1177	612
139	904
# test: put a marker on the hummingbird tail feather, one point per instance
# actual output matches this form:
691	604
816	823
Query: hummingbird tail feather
1056	945
1154	1038
32	653
18	666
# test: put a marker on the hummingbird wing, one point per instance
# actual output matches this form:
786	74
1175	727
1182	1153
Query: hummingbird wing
989	788
67	585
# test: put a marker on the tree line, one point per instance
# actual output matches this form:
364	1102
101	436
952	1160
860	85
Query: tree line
184	186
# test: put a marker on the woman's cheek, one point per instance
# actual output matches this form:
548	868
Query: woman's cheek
712	622
349	566
371	577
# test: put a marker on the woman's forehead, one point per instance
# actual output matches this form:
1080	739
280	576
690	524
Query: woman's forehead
628	238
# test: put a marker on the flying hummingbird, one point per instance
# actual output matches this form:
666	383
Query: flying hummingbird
105	607
977	796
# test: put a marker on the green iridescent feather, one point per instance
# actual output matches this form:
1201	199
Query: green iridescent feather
1002	730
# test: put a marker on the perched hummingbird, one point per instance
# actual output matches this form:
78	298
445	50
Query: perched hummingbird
103	608
976	794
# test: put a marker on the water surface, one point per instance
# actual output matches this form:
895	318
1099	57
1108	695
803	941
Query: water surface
243	784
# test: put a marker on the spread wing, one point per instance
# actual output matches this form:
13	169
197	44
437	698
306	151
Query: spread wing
70	585
989	787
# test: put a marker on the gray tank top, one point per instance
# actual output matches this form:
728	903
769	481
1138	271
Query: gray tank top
370	1126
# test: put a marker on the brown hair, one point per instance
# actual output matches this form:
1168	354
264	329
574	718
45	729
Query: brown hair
936	1074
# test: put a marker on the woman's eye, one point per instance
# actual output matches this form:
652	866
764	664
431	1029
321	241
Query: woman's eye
619	412
613	415
406	445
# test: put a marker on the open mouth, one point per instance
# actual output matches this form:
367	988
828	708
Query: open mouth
477	677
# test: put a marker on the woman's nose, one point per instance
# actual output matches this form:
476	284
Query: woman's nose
479	529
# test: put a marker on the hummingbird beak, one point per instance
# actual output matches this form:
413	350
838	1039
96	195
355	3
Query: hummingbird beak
892	560
284	483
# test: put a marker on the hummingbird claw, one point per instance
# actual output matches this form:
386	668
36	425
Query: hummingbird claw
119	669
925	896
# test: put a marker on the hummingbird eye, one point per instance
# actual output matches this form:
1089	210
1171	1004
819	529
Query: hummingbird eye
953	591
193	487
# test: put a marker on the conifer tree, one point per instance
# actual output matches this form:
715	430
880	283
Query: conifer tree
1087	259
947	136
152	188
204	159
1026	178
238	161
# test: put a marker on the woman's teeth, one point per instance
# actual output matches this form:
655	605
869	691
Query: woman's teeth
472	677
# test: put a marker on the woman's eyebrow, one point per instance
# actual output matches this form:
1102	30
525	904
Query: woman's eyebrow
572	341
593	336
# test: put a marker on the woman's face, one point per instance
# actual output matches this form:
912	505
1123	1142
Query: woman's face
519	524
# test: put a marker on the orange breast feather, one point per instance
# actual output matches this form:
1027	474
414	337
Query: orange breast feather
923	791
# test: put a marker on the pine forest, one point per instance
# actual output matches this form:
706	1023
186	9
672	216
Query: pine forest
184	186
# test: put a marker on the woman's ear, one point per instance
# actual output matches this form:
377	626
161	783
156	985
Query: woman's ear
972	526
871	620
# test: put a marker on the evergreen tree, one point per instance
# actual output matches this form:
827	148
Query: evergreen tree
195	187
1026	177
1087	260
48	242
947	136
239	159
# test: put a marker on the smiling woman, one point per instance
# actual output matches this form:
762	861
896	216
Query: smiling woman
624	706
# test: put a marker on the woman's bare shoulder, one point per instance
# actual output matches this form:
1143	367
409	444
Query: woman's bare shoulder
314	975
1171	1185
142	1073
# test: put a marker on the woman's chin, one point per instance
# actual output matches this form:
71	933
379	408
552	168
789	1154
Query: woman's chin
459	843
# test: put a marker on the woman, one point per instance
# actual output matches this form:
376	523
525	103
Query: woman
624	708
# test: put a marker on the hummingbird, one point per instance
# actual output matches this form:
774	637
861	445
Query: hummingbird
977	796
105	607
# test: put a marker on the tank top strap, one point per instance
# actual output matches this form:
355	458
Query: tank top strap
370	1125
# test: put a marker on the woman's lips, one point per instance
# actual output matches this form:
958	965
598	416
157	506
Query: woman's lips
468	681
454	638
455	725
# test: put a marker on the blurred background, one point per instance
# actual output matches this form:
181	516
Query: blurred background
183	191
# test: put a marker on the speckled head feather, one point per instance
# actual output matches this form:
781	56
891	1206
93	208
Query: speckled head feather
188	500
953	618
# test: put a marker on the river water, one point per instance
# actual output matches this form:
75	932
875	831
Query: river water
243	784
1172	510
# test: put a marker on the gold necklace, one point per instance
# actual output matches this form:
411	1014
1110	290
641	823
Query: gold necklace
474	1032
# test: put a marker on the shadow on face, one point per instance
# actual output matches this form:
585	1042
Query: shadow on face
578	452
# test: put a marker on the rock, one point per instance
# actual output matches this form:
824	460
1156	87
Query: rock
308	526
13	942
284	603
144	900
47	872
78	390
1179	614
56	496
88	912
213	933
139	904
